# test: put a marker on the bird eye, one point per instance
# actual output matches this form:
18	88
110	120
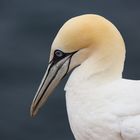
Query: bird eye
58	53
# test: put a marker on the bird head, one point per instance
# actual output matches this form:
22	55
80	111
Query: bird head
82	38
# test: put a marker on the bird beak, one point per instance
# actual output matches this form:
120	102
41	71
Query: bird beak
55	72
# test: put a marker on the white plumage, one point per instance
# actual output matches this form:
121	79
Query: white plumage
101	104
107	112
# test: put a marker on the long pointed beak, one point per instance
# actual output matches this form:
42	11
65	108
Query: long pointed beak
55	72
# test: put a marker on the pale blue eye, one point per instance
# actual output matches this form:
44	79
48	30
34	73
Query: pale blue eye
58	53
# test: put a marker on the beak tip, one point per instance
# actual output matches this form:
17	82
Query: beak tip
32	114
33	111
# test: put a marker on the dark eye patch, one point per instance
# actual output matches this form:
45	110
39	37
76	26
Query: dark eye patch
58	55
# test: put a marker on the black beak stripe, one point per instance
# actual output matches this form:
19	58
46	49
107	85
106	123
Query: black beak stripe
52	78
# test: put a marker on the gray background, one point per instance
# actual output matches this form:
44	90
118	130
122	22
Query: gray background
27	29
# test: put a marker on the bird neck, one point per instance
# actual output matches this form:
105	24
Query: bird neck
95	71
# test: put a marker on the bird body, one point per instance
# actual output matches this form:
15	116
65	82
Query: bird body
101	105
107	112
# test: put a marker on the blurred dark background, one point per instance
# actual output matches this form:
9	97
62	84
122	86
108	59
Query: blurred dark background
27	29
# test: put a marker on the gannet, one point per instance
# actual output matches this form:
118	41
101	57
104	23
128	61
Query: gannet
101	105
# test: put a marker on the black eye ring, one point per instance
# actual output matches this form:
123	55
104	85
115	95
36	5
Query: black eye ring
58	53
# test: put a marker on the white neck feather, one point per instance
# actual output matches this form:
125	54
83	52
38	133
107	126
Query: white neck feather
96	71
